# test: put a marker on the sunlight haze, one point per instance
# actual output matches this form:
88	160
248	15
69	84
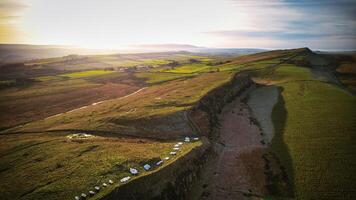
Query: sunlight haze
208	23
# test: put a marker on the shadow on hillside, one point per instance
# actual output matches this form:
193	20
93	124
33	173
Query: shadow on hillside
283	185
170	126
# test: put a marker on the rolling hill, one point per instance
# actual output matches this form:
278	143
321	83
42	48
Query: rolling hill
74	123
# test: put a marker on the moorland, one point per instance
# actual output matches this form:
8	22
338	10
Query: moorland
275	124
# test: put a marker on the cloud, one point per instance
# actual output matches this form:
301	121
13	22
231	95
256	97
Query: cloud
300	35
217	23
10	11
268	34
320	23
11	6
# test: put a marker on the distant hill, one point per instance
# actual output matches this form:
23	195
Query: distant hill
196	49
10	53
165	47
230	51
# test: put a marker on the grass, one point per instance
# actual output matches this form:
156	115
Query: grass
56	94
116	60
145	111
87	73
20	105
190	68
157	77
55	167
347	67
48	88
346	73
314	127
48	165
49	78
286	73
255	65
155	62
46	61
7	83
133	63
78	164
315	124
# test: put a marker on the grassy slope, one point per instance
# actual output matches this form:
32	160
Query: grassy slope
72	170
260	57
51	166
157	77
48	88
189	68
318	133
315	126
115	60
347	72
150	107
51	95
87	73
157	112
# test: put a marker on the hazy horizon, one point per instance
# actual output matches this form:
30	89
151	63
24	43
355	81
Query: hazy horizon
108	24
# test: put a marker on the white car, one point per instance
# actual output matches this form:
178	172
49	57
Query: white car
147	167
133	171
125	179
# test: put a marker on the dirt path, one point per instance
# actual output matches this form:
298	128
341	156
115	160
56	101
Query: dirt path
237	171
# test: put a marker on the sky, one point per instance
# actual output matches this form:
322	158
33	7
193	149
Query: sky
318	24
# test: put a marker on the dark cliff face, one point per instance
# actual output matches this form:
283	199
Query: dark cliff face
205	113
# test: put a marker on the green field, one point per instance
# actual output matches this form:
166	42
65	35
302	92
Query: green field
7	83
190	68
157	77
87	73
115	61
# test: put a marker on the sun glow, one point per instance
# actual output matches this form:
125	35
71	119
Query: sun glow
211	23
112	24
